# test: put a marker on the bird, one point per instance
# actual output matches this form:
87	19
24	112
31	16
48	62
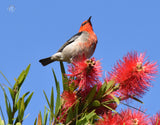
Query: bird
81	44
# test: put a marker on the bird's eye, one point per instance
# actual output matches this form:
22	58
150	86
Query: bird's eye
84	23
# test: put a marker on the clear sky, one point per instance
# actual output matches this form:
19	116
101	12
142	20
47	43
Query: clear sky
34	29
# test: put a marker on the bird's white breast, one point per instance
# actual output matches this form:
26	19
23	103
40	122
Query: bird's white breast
75	48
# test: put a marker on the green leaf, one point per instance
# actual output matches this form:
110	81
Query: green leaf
5	78
21	109
58	104
132	107
70	115
2	115
21	77
25	117
133	97
52	105
109	108
110	84
62	68
17	96
45	116
101	91
55	78
115	99
90	96
85	120
113	88
76	110
11	93
9	112
64	77
28	100
46	98
25	94
90	115
35	122
8	106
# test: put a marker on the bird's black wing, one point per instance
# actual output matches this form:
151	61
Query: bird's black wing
72	39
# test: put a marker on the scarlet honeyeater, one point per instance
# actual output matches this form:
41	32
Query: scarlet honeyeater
81	44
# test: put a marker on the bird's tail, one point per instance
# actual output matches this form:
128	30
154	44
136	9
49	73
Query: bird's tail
46	61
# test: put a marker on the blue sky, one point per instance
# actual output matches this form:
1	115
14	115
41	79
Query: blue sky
31	30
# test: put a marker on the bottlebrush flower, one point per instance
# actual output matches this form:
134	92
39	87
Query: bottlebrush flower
69	99
155	120
86	72
134	74
109	119
126	117
134	117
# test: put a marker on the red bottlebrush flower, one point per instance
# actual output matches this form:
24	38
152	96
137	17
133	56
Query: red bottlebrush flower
86	72
69	99
134	74
134	117
109	119
126	117
155	120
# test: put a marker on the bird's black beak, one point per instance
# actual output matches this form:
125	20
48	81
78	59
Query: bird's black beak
89	19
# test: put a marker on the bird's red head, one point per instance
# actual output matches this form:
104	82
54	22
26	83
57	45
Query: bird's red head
86	26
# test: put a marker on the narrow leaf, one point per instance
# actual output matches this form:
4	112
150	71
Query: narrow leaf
110	108
22	77
8	106
70	115
101	91
9	112
2	115
64	77
46	98
28	100
39	119
110	84
17	96
27	69
90	115
25	117
52	99
52	105
58	94
11	93
35	122
132	107
90	96
133	97
115	99
5	78
76	110
45	116
86	119
22	108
